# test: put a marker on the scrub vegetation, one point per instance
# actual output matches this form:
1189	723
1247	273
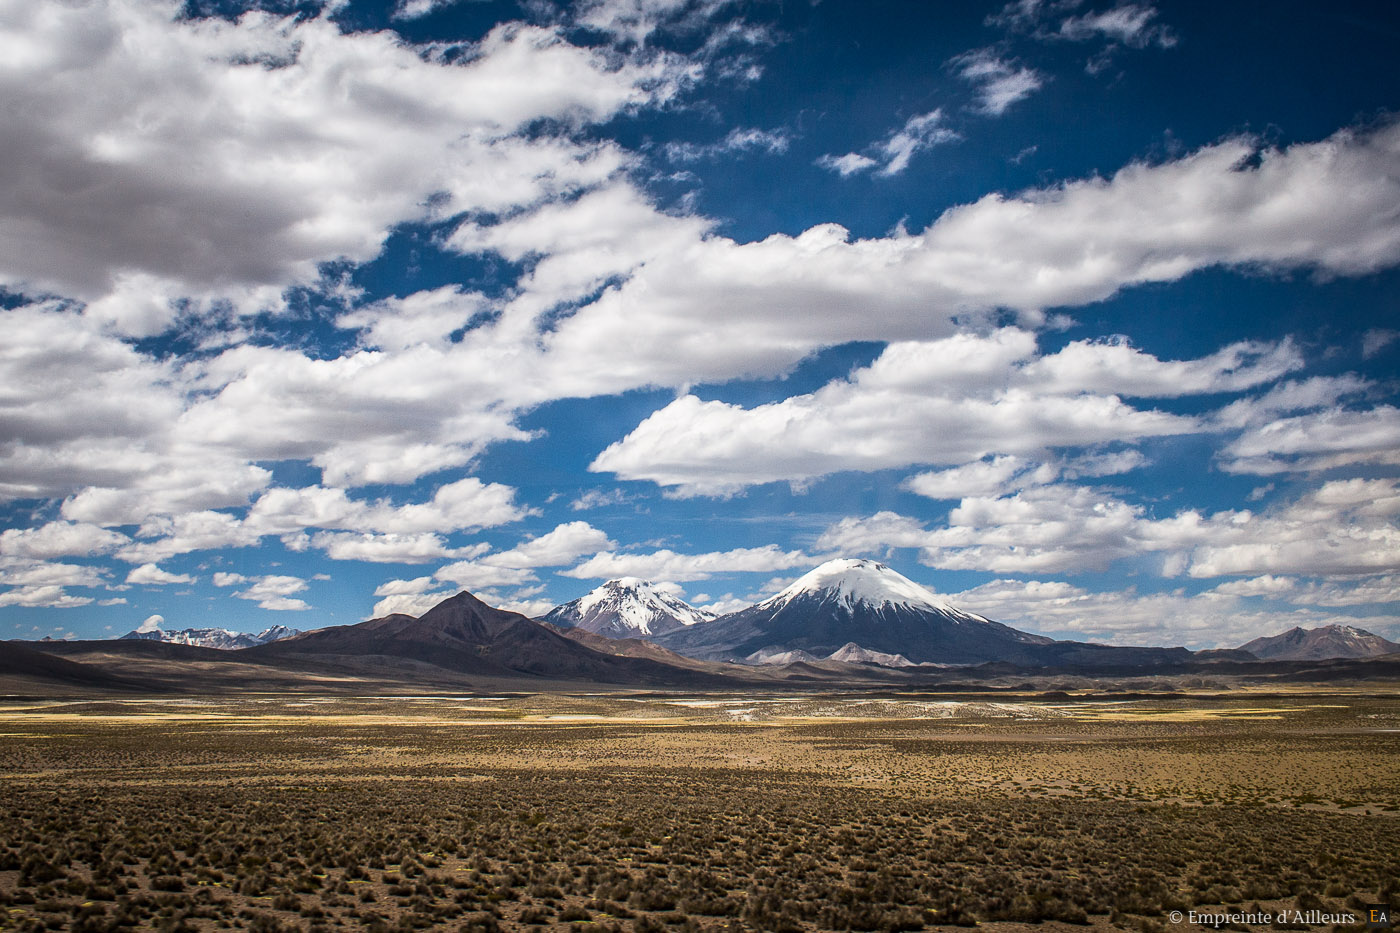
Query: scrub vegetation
643	814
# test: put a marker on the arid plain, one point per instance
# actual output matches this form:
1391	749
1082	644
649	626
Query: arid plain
645	812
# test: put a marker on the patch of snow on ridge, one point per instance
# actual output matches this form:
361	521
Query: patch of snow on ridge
855	582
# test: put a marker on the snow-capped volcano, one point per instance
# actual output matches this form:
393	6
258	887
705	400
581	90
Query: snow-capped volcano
853	583
628	608
860	601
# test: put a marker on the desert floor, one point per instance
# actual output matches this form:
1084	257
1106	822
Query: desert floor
699	812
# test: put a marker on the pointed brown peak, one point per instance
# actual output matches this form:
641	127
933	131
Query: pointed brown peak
465	607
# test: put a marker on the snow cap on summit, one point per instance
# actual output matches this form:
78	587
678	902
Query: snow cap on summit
855	581
629	606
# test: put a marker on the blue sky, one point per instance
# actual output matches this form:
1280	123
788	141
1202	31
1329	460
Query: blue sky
1083	313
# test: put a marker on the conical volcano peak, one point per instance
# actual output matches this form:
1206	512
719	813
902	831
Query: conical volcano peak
860	603
860	582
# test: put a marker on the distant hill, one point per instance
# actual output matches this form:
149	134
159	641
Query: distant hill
849	653
1329	641
853	653
628	608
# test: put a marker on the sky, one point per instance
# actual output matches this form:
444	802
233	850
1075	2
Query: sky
1083	313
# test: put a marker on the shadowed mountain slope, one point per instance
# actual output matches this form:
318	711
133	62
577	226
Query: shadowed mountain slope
35	665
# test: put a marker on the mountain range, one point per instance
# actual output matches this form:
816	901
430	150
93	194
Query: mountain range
851	611
221	638
465	636
858	611
850	623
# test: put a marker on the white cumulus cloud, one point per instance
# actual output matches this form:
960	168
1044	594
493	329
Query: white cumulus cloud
951	401
153	575
280	143
667	565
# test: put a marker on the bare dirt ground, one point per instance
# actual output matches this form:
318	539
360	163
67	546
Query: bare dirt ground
702	812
